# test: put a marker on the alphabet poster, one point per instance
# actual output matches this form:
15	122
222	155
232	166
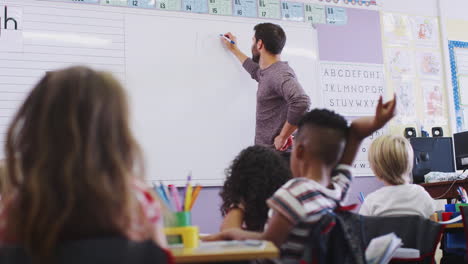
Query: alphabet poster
351	89
361	165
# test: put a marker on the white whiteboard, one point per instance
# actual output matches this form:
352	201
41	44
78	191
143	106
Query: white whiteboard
193	105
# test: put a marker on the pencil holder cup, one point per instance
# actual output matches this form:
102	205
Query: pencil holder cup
179	229
187	235
183	218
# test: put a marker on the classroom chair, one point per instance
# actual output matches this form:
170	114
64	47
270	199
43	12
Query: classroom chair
113	250
349	234
464	214
415	232
335	239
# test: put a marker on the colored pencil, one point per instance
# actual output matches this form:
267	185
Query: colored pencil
195	194
175	196
188	193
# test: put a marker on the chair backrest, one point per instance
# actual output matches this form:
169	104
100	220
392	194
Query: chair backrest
415	232
95	251
464	214
336	238
350	234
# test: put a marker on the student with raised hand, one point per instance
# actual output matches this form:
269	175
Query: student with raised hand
323	151
391	159
254	176
74	167
281	100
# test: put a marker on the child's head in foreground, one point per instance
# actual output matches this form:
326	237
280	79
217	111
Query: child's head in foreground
254	176
71	157
321	137
391	159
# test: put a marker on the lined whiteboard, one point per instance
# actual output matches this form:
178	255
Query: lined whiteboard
193	106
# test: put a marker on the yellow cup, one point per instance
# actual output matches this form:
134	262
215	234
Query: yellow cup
189	235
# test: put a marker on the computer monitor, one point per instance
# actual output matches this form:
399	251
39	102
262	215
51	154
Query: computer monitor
431	154
460	140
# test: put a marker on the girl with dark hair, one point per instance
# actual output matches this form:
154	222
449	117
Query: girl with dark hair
254	176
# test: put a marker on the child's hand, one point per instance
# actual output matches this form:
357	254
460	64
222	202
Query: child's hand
365	126
228	234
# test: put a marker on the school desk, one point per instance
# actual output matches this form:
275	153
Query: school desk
444	190
223	252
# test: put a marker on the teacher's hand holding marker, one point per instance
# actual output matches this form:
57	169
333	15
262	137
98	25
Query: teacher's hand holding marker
230	41
281	100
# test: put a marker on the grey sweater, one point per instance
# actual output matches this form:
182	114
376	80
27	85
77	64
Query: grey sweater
280	97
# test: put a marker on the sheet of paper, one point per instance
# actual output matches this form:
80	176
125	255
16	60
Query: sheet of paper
465	116
406	109
245	8
429	64
142	3
171	5
269	9
292	11
315	13
81	1
434	106
400	61
396	28
336	15
115	2
425	31
195	6
352	89
463	89
220	7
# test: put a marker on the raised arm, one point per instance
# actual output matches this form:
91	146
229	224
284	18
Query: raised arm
249	65
365	126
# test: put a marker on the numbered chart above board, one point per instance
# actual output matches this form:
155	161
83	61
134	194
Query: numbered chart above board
220	7
115	2
169	5
269	9
245	8
292	11
142	3
315	13
195	6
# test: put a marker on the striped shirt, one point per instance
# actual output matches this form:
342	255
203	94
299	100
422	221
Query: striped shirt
303	202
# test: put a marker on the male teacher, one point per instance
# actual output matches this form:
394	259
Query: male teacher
281	100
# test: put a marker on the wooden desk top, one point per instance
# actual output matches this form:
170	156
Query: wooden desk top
440	190
453	226
217	252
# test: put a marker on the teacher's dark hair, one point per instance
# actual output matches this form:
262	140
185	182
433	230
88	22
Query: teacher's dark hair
272	35
254	176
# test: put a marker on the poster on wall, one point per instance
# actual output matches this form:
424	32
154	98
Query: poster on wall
434	106
351	89
406	107
396	28
463	89
361	165
425	31
400	62
429	64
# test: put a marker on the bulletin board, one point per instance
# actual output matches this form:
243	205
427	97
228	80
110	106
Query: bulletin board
458	52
